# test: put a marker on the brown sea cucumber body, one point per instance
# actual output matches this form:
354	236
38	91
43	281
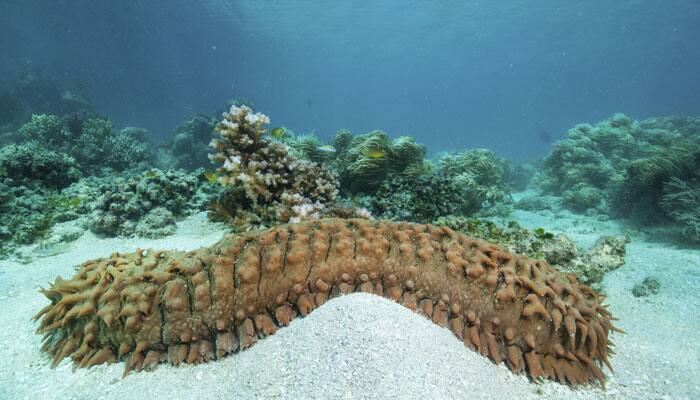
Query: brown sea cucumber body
152	306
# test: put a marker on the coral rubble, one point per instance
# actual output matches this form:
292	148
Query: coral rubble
149	306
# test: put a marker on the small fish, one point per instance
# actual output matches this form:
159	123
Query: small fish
73	202
326	149
210	176
375	154
278	132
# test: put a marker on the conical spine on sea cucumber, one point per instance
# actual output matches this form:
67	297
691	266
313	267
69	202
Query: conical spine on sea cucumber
149	307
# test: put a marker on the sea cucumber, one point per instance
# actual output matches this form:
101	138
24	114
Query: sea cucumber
149	306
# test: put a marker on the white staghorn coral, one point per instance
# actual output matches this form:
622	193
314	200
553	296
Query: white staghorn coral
264	179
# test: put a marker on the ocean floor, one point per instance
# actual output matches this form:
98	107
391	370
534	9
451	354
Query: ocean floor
363	346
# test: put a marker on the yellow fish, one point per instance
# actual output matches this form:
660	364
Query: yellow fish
278	132
375	154
210	176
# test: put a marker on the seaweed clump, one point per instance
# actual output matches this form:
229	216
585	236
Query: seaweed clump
366	161
681	201
264	183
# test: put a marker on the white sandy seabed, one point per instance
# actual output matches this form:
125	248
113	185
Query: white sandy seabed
362	346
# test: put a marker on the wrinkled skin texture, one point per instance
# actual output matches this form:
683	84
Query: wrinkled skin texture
152	306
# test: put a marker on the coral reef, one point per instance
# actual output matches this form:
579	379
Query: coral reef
537	203
640	195
36	92
190	143
517	176
156	223
27	214
306	146
153	306
466	183
128	149
422	198
91	141
480	174
264	183
147	204
32	165
358	171
620	166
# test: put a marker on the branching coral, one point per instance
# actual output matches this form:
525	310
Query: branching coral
265	183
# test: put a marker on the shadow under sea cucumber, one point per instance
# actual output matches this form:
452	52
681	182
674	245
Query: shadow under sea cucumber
149	306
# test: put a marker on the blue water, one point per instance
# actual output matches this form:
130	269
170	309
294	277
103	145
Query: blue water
509	76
